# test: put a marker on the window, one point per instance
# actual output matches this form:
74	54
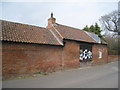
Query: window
99	54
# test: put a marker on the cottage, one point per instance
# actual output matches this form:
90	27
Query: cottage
30	49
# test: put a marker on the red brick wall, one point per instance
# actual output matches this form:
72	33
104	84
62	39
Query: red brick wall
20	58
71	54
103	49
113	57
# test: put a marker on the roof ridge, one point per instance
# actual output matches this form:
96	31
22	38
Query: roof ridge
76	28
70	27
23	24
90	36
74	33
56	37
18	32
57	31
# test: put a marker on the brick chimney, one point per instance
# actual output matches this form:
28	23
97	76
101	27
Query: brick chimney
51	21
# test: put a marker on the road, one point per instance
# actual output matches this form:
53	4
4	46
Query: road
102	76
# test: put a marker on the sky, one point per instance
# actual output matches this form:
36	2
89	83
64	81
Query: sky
72	13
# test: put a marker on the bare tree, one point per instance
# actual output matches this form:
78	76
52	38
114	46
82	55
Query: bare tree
113	44
119	16
110	22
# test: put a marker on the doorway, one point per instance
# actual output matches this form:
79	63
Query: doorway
85	55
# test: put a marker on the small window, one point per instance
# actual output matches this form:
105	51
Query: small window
99	54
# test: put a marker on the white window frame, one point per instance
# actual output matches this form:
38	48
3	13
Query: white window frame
99	54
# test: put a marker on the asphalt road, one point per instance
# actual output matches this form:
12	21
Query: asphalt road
103	76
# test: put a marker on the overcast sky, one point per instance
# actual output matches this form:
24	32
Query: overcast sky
67	12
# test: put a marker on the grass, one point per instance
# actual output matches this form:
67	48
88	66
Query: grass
42	73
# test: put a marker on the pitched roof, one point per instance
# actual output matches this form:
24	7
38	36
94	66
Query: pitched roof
74	34
17	32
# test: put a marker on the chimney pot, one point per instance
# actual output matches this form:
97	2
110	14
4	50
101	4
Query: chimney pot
51	21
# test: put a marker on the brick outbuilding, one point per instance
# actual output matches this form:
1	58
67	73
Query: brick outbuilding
30	49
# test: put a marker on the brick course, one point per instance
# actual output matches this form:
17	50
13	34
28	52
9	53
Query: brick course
23	58
113	57
29	49
103	49
18	58
71	54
